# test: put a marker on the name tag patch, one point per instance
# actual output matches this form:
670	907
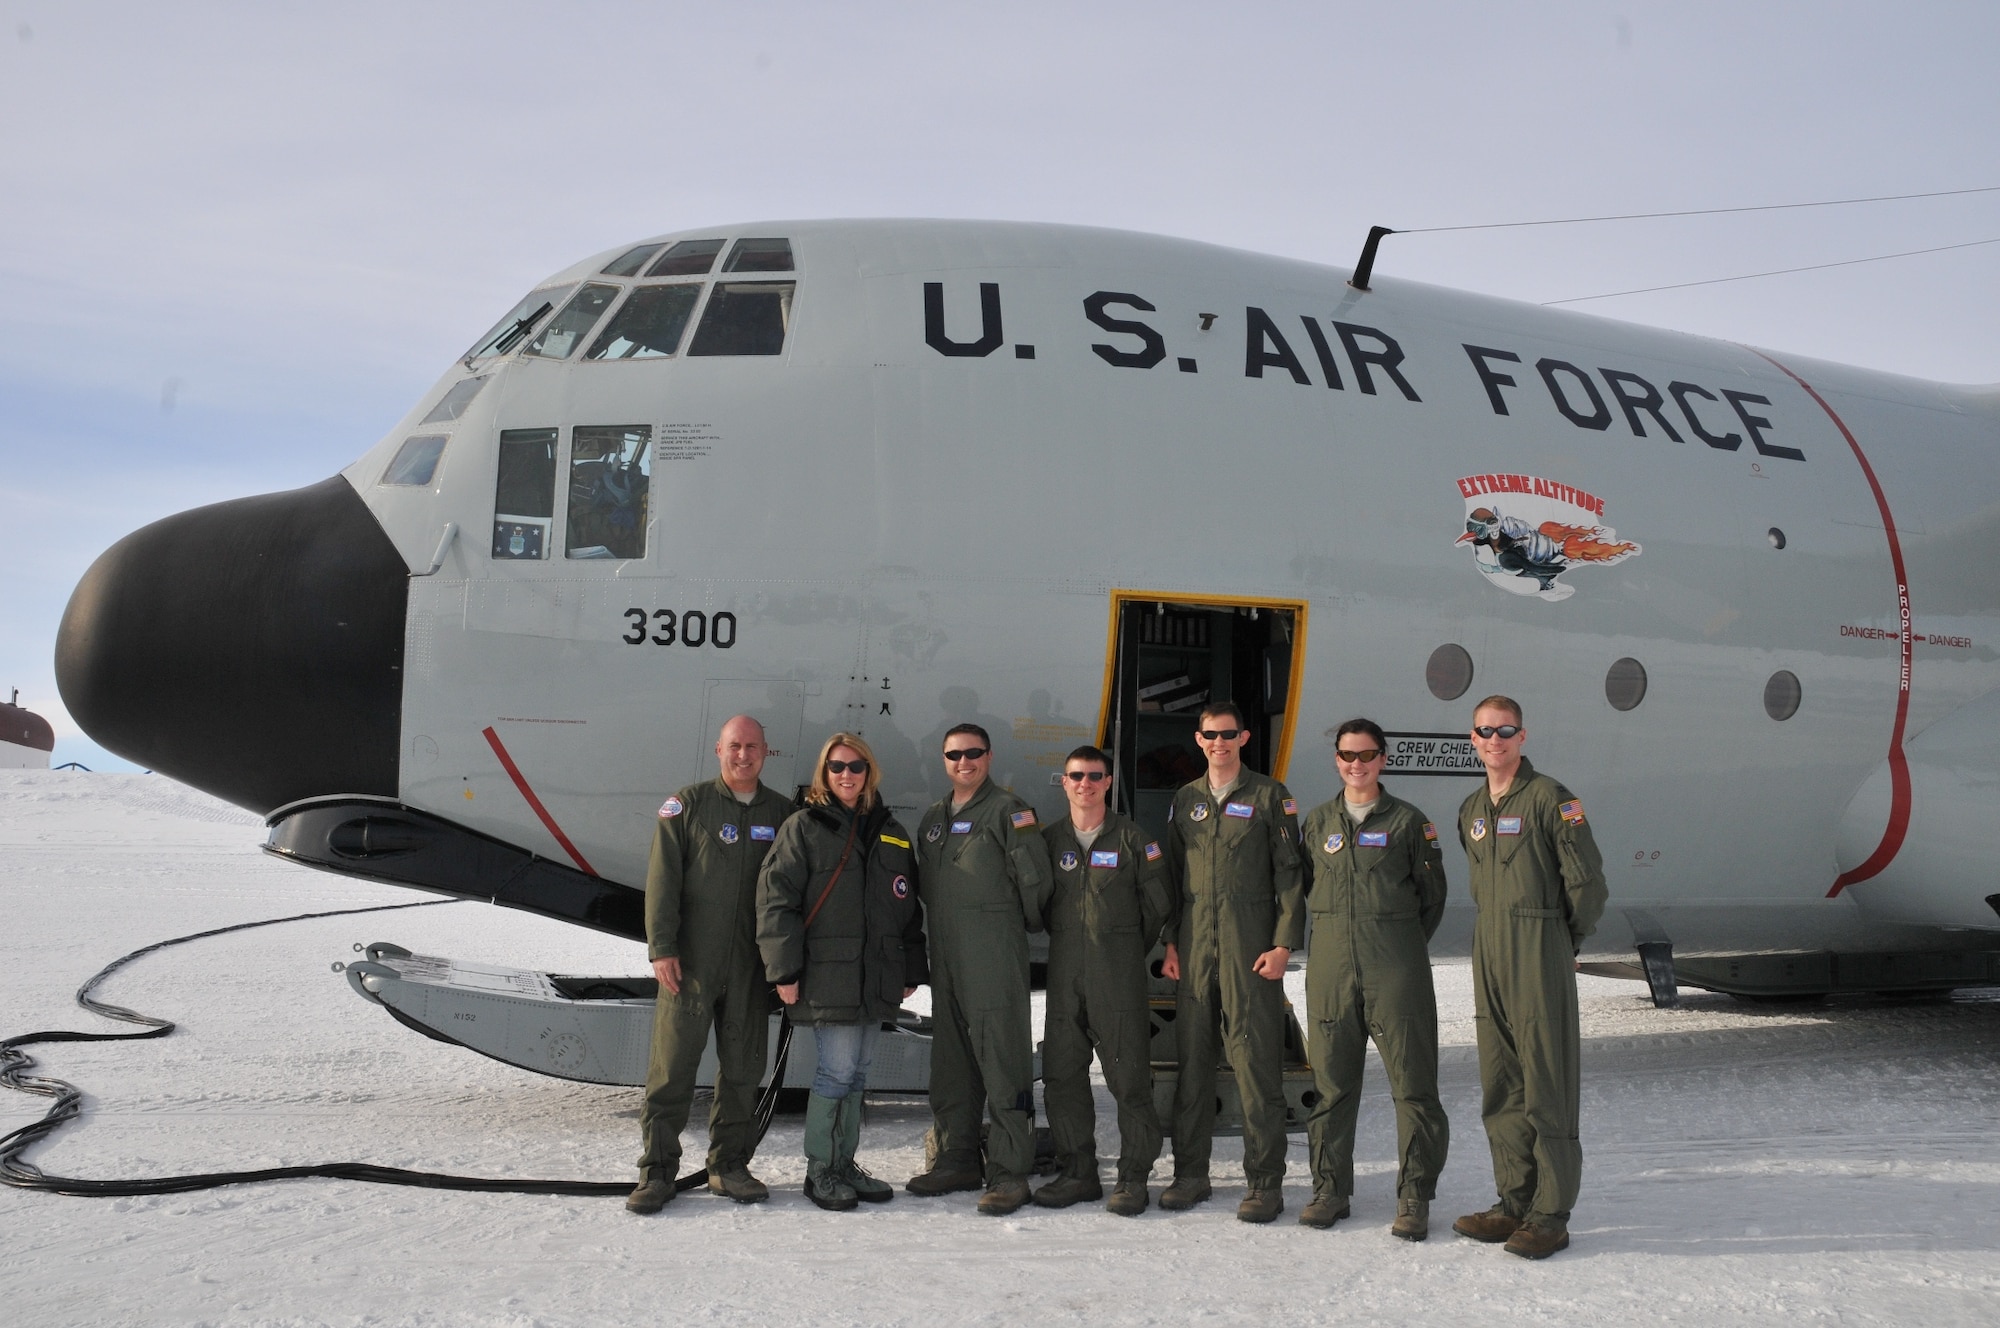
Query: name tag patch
961	827
1373	839
671	807
1507	825
1104	857
1242	811
1152	852
764	834
887	839
728	834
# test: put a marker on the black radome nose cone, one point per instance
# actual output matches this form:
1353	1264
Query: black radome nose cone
252	648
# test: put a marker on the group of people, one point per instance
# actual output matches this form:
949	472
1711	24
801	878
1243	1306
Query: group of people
844	913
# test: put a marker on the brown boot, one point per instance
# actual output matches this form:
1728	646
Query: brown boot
1128	1200
1413	1219
1003	1197
1261	1205
1185	1192
650	1196
737	1183
1538	1239
943	1179
1325	1209
1492	1226
1066	1190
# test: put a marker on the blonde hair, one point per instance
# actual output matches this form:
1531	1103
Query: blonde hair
821	795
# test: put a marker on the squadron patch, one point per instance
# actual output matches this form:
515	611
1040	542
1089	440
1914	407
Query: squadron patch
1067	861
1507	825
1291	807
1430	831
887	839
1152	852
1242	811
1572	811
961	827
1198	812
671	807
1372	839
1024	819
900	887
764	834
935	833
728	834
1335	842
1479	827
1104	857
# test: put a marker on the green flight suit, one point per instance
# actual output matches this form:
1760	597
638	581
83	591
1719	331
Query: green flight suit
983	871
701	896
1376	898
1537	881
1241	893
1110	902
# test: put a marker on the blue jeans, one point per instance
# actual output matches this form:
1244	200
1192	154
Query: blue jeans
844	1052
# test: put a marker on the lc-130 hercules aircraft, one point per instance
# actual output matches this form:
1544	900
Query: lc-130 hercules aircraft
1070	483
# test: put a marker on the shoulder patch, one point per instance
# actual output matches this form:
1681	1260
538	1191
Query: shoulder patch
1430	831
1153	852
899	843
1291	807
1572	811
1024	819
672	807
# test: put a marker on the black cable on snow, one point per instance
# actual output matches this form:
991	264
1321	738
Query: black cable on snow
15	1064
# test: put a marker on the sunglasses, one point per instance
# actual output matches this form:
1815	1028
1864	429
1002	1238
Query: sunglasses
843	767
1211	735
965	754
1363	757
1503	731
1094	776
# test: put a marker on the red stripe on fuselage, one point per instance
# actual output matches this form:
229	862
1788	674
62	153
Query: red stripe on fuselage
1899	765
514	773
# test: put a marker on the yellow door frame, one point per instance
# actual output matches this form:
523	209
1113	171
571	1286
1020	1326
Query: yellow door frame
1282	750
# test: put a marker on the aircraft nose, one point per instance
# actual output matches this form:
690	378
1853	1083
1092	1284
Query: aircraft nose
252	648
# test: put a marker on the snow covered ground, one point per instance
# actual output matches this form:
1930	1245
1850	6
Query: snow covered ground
1834	1164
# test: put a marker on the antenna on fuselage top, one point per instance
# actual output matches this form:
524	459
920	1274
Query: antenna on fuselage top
1366	267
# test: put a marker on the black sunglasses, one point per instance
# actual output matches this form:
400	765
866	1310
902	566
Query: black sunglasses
842	767
1489	731
1364	757
1094	776
1227	735
965	754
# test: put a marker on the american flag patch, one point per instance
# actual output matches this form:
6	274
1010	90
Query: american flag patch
1025	819
1572	811
1152	852
1291	807
1430	831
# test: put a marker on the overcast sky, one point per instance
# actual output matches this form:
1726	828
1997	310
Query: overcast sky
237	241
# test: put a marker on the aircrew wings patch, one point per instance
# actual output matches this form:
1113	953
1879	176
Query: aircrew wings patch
1572	811
1024	819
1430	831
671	807
1291	807
1152	852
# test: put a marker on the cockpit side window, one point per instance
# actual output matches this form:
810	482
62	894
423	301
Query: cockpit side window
745	318
610	476
520	320
648	325
453	403
760	256
570	326
416	460
629	262
689	258
524	494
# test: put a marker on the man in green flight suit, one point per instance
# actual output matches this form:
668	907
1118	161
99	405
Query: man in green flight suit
1537	881
1233	844
1112	895
983	873
701	934
1376	898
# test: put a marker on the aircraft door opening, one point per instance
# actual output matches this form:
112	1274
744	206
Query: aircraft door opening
1173	654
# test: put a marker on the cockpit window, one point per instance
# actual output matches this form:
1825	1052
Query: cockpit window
524	494
689	258
520	320
745	318
648	325
416	460
631	260
570	326
760	256
610	473
453	403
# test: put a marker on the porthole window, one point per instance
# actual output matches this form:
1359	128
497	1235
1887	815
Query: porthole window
1781	694
1448	672
1625	684
1777	538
